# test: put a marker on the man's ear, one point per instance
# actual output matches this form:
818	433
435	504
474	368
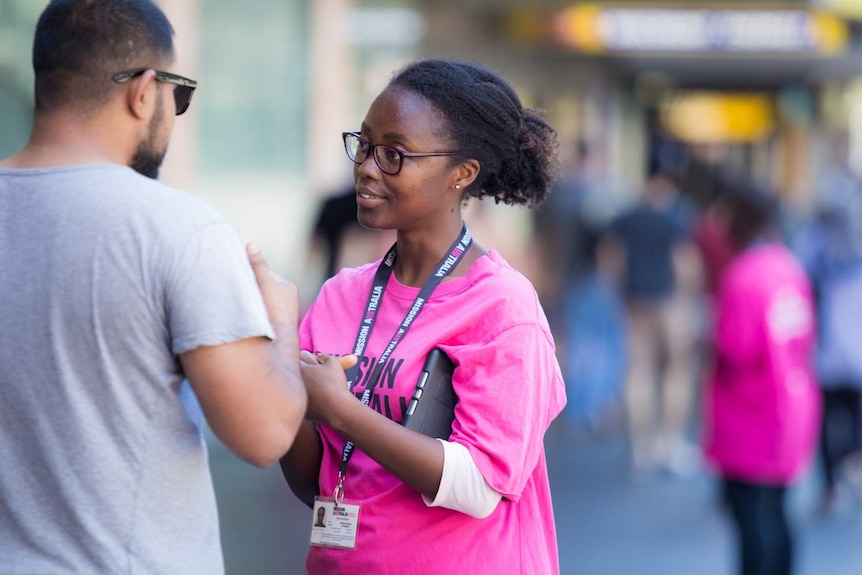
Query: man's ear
141	95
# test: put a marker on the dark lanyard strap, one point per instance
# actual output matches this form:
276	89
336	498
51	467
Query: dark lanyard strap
381	278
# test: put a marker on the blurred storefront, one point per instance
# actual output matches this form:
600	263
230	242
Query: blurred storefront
757	86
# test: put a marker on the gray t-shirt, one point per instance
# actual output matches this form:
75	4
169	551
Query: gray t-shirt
105	277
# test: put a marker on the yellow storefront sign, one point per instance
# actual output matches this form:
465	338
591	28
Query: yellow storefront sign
707	117
686	29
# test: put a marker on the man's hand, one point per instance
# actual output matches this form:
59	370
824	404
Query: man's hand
282	304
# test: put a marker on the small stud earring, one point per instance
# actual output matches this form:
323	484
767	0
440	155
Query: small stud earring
457	186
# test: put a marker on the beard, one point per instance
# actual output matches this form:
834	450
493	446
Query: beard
150	153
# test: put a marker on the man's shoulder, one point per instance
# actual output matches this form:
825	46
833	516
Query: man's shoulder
138	196
156	189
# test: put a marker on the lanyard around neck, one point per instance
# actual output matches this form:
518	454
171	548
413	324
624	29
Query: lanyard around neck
381	278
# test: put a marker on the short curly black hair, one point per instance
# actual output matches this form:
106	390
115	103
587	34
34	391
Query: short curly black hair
80	44
516	148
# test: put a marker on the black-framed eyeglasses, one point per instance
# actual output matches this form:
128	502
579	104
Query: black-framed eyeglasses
388	159
183	87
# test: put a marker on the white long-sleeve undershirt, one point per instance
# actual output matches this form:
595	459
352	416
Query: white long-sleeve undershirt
462	486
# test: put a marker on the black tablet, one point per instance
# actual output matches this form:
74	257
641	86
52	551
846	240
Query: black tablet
431	410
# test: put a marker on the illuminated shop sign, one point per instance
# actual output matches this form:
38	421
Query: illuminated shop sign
709	117
686	30
848	8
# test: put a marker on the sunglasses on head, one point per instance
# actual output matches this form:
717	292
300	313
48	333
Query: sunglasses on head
183	87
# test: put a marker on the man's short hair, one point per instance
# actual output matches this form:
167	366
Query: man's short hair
80	44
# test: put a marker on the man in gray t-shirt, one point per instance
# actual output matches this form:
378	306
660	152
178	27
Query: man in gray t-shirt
130	314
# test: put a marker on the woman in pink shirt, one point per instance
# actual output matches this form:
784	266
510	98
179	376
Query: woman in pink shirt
762	404
476	500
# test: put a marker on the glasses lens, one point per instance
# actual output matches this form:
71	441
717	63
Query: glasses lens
356	148
182	98
389	159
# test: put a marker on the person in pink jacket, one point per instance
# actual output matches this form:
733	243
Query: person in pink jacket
762	404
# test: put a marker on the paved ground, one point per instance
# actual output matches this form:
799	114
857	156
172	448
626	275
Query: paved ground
606	524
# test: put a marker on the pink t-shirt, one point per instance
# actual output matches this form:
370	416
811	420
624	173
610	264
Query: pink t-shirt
762	402
509	388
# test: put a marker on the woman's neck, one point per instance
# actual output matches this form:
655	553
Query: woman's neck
418	257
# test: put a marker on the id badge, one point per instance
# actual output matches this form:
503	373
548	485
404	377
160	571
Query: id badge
334	525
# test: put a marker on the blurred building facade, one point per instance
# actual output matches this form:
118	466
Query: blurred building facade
756	85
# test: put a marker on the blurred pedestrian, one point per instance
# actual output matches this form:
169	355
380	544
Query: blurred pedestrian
660	275
830	246
709	233
335	218
340	238
761	403
478	500
337	241
566	226
585	311
114	290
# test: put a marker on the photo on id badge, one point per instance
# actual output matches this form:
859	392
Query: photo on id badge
334	525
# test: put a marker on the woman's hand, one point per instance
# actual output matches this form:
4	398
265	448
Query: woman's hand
326	385
412	457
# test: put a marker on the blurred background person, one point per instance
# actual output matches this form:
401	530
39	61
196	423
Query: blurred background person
710	234
658	269
336	219
761	404
567	226
338	240
585	309
830	247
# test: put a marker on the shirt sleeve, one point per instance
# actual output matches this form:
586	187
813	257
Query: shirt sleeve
509	390
212	297
462	487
